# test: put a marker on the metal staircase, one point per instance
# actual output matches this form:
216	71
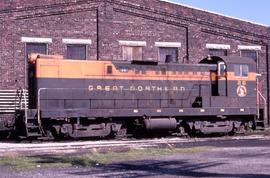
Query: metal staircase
30	121
32	127
262	112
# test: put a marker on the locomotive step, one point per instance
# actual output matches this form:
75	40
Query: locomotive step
260	125
33	130
34	134
32	119
32	127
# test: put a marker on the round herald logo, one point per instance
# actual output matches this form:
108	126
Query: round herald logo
242	91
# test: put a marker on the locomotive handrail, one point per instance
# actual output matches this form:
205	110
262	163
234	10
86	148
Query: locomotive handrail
265	104
25	109
21	94
38	106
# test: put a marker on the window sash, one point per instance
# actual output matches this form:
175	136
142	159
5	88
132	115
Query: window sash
168	55
250	54
218	52
241	70
132	53
76	51
36	48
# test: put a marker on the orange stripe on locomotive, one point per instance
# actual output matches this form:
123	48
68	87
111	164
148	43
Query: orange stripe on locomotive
81	69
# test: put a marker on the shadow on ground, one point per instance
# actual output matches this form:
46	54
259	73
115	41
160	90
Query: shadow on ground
161	168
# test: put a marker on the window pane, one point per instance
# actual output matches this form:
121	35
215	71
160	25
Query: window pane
36	48
76	52
222	69
218	52
244	70
237	70
132	53
251	54
137	53
168	55
127	53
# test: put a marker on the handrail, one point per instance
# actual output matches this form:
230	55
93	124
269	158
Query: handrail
25	108
265	104
19	96
38	106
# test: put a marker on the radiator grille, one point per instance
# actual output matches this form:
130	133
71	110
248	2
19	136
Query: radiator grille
10	100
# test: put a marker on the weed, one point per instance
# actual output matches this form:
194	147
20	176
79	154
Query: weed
94	158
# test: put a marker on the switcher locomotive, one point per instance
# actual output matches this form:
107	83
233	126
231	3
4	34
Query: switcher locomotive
84	98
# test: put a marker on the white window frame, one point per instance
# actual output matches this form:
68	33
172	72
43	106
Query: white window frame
77	41
218	46
168	44
36	40
250	48
132	43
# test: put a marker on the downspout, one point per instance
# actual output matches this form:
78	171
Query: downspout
268	85
97	16
187	45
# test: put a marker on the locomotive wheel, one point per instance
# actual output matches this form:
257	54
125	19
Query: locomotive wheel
54	132
5	135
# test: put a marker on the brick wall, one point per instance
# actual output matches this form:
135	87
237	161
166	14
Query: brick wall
106	22
56	23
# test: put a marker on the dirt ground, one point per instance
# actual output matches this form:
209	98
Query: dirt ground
235	158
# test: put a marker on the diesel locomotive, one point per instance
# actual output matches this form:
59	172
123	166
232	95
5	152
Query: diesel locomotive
84	98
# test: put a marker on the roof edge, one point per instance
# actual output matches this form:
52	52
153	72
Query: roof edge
216	13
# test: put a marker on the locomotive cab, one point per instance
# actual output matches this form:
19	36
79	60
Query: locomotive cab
233	86
234	77
218	76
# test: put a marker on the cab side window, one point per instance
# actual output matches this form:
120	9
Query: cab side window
241	70
221	69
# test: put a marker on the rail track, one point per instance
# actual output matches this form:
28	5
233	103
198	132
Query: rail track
76	147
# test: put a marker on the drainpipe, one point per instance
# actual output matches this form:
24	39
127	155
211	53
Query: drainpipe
268	77
268	85
97	21
187	45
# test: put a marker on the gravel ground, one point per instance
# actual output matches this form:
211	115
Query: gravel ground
240	159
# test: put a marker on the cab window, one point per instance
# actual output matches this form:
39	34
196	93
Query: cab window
241	70
221	69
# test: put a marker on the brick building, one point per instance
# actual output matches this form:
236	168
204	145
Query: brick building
123	30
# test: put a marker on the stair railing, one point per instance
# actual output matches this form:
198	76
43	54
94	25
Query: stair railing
265	104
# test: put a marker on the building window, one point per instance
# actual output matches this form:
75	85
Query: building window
76	51
168	51
218	49
218	52
168	55
241	70
250	54
77	48
36	48
132	53
132	50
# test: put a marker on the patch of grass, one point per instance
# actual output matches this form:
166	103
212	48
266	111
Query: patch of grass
18	162
90	159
